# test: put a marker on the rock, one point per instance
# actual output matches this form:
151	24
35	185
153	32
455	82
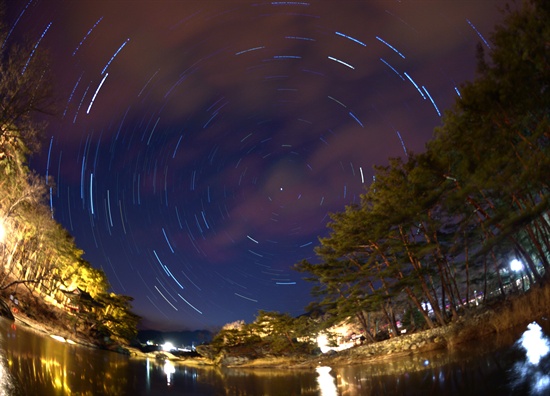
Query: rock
234	360
5	311
123	351
206	351
161	357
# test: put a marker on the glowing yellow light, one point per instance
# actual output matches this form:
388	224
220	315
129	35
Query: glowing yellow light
2	232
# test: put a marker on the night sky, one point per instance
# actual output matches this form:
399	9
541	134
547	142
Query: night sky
200	145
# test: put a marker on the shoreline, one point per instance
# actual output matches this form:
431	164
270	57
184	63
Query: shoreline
52	330
389	352
486	323
477	324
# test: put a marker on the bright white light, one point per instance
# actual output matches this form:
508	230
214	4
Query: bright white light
6	384
148	371
2	232
536	346
57	338
326	382
516	265
169	369
322	343
167	346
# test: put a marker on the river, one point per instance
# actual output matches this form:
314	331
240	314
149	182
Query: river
515	363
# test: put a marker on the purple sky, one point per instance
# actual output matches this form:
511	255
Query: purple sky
200	145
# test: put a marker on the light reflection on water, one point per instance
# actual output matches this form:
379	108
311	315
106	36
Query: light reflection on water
38	365
327	386
6	383
169	369
535	369
516	363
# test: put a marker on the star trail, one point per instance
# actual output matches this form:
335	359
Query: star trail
201	145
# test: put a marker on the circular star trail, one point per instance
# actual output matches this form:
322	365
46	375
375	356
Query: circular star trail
201	145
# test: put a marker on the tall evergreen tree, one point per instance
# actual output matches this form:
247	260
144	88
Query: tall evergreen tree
434	226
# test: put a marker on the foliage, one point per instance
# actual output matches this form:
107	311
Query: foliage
36	251
271	333
436	228
434	234
25	91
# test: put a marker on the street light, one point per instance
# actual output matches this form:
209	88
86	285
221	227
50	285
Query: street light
516	265
168	346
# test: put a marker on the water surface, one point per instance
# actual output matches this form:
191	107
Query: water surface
515	363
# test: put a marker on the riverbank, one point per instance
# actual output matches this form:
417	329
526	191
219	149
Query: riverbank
480	323
34	313
483	323
61	333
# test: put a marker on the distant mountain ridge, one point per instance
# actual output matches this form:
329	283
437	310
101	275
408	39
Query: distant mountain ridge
177	338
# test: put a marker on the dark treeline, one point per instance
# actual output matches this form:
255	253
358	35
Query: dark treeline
435	232
38	257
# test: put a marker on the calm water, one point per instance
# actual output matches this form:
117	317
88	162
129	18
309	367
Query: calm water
517	363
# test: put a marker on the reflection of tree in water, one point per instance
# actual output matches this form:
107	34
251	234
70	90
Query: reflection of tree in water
235	381
6	382
495	366
47	366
